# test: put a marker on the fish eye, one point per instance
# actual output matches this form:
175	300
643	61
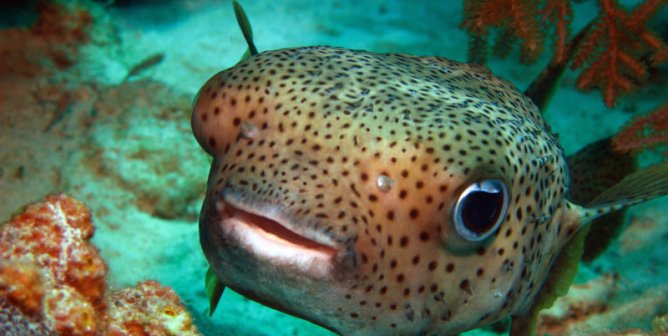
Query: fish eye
480	209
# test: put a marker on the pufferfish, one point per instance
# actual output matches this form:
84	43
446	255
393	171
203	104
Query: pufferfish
386	194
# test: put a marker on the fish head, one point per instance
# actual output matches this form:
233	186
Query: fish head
378	194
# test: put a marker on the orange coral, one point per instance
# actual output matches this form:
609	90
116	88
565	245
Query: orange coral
52	281
21	284
53	236
614	51
160	312
559	13
55	36
644	132
68	27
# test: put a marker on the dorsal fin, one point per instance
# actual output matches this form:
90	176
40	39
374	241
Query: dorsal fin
246	30
541	90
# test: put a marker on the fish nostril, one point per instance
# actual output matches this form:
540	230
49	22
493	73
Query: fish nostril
248	130
384	183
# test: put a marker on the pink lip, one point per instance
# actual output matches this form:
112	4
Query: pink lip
274	242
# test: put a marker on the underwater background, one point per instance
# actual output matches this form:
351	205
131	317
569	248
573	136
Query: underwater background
95	101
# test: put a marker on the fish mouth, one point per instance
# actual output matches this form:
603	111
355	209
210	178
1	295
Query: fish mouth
274	238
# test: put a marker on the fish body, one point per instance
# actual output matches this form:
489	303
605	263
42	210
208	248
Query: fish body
381	194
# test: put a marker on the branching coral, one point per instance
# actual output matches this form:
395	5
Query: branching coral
52	281
526	22
515	20
616	51
614	54
559	13
644	132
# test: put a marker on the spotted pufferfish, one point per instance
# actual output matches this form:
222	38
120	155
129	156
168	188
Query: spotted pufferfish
386	194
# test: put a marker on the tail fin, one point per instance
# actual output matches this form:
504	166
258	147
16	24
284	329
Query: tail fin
594	169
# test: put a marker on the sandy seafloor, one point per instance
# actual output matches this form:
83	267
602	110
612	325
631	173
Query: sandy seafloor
125	147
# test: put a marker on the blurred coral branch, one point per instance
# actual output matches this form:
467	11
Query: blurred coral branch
615	54
54	39
559	13
515	20
644	132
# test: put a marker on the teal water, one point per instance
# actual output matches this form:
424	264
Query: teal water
123	144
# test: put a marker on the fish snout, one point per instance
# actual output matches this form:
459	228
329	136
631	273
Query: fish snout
224	114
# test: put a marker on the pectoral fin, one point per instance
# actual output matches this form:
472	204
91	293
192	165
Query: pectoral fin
641	186
214	290
557	284
637	187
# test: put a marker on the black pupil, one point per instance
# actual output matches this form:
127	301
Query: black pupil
481	209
